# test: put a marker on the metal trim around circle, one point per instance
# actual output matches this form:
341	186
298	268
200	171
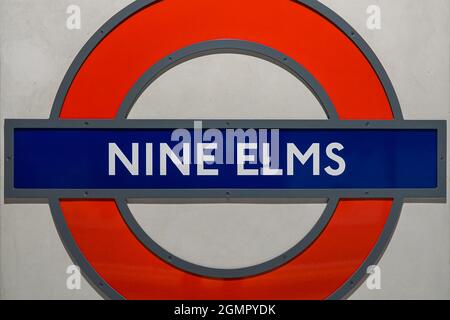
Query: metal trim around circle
221	273
362	45
89	273
139	5
227	46
375	255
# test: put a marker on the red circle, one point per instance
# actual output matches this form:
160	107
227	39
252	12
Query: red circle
154	32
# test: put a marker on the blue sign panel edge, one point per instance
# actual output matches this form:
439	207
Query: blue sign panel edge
410	194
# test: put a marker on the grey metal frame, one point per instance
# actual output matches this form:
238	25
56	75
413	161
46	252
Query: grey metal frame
228	46
236	273
98	283
26	195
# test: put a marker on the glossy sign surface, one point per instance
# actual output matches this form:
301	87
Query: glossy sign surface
80	159
153	32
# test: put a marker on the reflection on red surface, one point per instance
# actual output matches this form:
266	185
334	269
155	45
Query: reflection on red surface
167	26
153	33
136	273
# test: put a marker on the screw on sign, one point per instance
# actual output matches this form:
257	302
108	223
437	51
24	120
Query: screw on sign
365	183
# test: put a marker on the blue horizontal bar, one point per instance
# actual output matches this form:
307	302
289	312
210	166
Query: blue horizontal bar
63	158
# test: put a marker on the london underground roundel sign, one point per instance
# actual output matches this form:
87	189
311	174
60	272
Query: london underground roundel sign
88	159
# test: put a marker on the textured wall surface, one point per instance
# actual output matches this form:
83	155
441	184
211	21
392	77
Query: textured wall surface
36	49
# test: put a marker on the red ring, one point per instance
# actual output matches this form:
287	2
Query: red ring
164	27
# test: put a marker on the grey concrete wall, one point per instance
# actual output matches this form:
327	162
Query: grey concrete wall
36	49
